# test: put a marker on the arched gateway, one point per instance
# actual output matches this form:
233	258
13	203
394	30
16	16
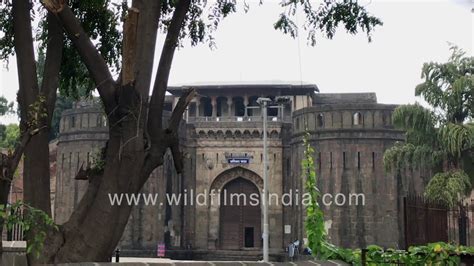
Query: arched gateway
235	223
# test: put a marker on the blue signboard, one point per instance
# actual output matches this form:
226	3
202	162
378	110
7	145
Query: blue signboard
238	160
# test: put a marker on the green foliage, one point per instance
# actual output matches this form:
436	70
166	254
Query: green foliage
448	188
101	20
456	138
326	18
32	221
450	86
314	224
418	122
5	106
432	254
403	155
442	134
37	112
315	230
204	18
11	137
6	29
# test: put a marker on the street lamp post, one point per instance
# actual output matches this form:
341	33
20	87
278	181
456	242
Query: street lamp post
264	105
263	102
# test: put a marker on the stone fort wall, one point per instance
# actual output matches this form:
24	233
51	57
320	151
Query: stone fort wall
350	135
83	133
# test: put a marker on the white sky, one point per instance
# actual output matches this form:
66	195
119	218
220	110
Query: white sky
249	49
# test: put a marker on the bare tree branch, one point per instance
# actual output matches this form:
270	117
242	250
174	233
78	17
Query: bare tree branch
148	19
164	66
129	46
176	118
91	57
180	108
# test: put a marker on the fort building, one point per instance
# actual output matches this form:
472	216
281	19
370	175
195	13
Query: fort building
222	143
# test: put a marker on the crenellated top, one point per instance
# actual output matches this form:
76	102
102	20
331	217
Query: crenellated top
352	116
85	118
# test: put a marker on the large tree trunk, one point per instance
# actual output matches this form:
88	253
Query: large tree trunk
36	176
95	227
136	144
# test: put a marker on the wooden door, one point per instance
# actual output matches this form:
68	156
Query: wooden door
240	222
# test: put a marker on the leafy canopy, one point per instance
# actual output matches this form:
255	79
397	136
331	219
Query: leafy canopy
102	20
442	135
9	136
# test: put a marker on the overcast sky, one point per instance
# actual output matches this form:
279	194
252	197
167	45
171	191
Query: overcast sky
250	50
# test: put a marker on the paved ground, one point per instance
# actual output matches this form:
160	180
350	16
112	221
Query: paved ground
156	262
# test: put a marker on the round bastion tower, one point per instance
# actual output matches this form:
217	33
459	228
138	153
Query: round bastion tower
350	133
83	133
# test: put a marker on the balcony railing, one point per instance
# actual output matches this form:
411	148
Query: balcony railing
237	119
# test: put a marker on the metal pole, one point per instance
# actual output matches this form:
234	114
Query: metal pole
265	184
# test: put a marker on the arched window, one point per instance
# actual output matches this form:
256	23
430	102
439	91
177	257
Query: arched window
239	106
320	120
357	119
206	107
384	119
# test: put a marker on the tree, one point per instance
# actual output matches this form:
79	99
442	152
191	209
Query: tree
138	138
15	146
440	138
11	137
36	99
5	108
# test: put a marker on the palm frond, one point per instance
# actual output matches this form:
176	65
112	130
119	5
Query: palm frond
448	187
414	117
403	155
456	138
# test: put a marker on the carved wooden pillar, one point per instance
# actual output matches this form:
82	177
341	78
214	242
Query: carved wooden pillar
229	106
214	106
198	101
246	104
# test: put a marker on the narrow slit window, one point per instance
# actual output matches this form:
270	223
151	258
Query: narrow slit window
373	160
330	160
357	119
288	167
320	120
319	161
358	160
344	160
